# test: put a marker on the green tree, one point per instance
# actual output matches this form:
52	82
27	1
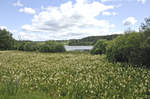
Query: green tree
30	46
51	46
124	48
146	25
99	47
6	40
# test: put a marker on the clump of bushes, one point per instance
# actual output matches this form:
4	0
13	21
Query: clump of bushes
48	46
123	47
6	40
19	45
26	46
31	46
52	47
131	47
99	47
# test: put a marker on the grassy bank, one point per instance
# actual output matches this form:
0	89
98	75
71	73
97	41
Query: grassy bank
32	75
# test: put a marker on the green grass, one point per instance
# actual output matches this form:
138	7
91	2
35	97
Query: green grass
31	75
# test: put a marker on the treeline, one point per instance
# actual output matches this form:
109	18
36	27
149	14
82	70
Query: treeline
132	47
48	46
8	43
90	40
6	40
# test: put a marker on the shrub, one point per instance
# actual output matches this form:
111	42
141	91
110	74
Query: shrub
140	57
99	47
120	49
115	50
19	45
130	48
44	48
30	46
6	40
51	47
59	48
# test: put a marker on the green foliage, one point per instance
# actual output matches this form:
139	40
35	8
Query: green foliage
146	25
114	50
130	48
6	40
51	47
146	43
19	45
122	48
48	46
31	46
99	47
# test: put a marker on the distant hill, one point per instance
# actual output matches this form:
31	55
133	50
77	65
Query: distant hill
91	40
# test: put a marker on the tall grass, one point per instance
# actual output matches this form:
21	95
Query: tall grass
69	76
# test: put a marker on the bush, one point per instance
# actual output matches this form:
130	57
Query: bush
119	50
19	45
115	50
130	48
140	57
6	40
51	47
60	48
30	46
48	46
99	47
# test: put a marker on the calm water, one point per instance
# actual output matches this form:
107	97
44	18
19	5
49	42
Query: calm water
77	48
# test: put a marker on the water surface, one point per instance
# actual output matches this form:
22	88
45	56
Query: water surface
77	48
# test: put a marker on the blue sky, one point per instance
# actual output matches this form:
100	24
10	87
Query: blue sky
41	20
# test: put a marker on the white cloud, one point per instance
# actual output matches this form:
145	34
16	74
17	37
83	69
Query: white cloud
27	10
26	27
110	0
142	1
106	0
70	21
18	4
31	36
129	21
109	13
3	27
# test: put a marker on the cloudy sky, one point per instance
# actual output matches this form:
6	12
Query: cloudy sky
41	20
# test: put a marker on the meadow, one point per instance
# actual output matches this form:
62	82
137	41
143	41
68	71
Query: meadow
35	75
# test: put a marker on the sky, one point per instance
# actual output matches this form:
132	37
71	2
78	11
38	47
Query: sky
40	20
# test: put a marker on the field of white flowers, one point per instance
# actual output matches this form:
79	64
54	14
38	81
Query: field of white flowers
69	76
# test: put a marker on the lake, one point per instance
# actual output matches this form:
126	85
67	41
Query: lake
77	48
